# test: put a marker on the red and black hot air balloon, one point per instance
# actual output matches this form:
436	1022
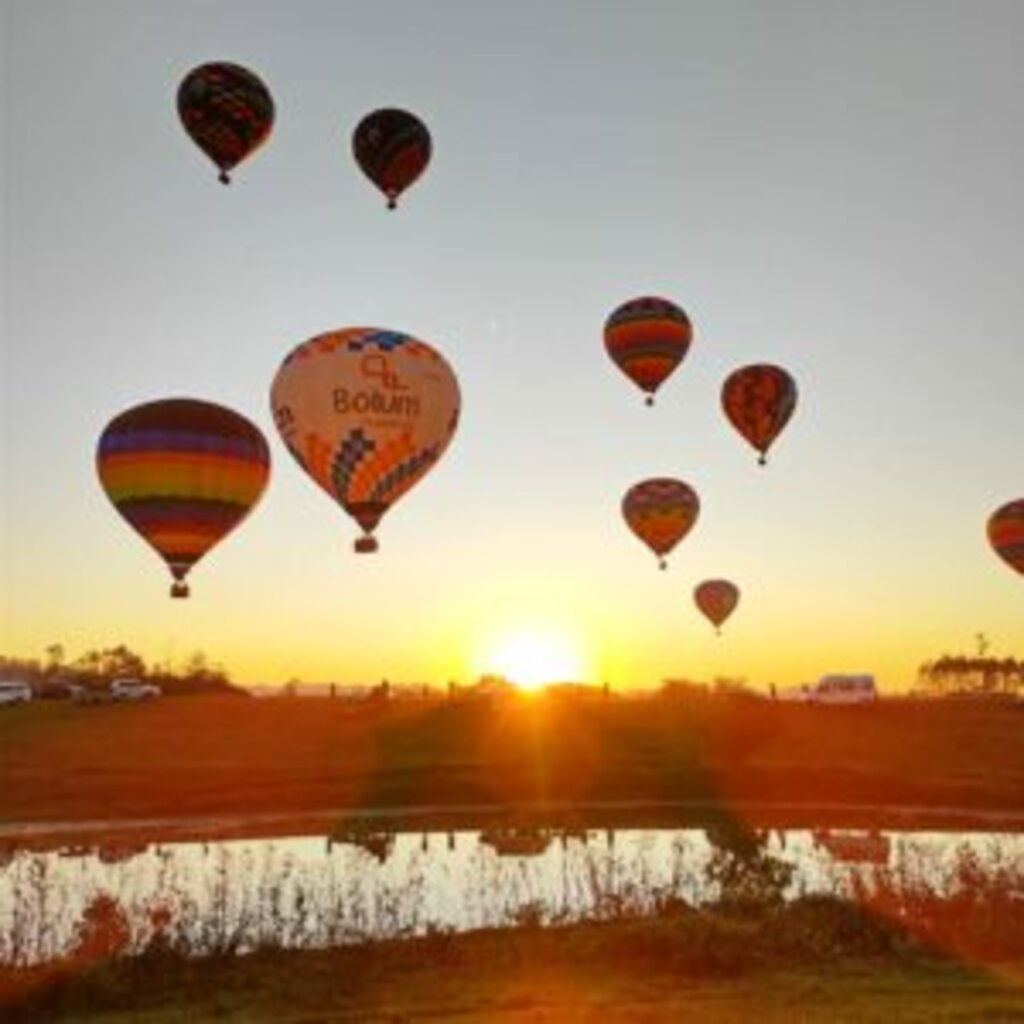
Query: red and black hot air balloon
393	148
227	111
1006	533
758	401
717	599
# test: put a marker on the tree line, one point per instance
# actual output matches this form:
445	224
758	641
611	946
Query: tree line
965	674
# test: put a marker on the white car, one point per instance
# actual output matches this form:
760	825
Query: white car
15	692
843	689
133	689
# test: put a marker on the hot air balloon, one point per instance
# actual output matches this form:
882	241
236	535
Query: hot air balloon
366	412
1006	533
647	338
227	111
184	474
661	512
759	400
392	147
716	599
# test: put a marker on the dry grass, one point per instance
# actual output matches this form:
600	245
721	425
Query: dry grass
843	967
203	756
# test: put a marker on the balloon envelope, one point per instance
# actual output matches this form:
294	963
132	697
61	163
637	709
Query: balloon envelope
647	339
1006	533
392	148
367	413
227	111
716	599
661	512
183	474
759	400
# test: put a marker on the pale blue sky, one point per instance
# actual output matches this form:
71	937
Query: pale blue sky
834	187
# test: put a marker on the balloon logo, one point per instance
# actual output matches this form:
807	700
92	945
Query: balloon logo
1006	533
758	401
184	474
717	600
227	111
647	339
392	148
661	512
367	413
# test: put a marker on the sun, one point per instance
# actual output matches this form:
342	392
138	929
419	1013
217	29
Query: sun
531	658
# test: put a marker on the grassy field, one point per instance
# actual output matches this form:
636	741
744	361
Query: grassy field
825	962
237	756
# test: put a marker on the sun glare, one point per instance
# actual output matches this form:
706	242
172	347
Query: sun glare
533	658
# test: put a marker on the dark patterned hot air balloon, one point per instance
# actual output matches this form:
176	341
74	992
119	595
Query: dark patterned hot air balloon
759	400
647	338
184	474
716	599
1006	533
227	111
392	147
661	512
367	413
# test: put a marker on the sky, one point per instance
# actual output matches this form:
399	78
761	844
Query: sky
833	187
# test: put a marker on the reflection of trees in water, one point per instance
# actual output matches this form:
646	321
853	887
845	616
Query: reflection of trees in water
242	896
742	871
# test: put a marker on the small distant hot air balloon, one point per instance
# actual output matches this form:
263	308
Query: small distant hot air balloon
716	599
1006	533
647	339
759	400
367	413
661	512
227	111
392	147
184	474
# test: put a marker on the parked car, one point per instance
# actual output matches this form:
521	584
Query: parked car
14	692
134	689
842	689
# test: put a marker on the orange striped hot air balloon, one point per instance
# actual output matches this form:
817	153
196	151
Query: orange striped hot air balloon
367	413
647	339
227	111
758	401
717	599
183	474
661	512
1006	533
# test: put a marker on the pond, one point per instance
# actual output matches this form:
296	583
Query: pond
237	895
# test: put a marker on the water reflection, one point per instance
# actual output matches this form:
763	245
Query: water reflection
239	895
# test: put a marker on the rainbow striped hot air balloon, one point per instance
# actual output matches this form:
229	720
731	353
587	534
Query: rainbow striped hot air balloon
392	148
1006	533
647	339
183	473
227	111
661	512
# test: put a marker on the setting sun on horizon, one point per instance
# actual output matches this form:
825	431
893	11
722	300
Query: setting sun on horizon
532	657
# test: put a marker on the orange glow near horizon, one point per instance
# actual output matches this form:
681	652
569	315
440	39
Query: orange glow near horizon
532	657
